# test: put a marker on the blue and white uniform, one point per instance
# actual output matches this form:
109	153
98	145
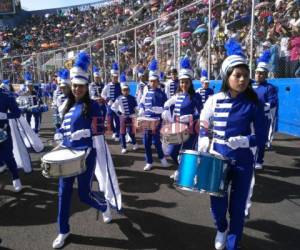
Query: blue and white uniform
152	103
34	101
140	90
95	89
125	106
231	118
74	121
8	110
205	93
170	87
110	93
186	110
267	94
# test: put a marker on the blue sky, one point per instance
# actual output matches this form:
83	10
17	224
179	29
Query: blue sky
48	4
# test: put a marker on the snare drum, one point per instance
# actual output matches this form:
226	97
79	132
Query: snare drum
212	175
189	162
147	123
174	133
63	162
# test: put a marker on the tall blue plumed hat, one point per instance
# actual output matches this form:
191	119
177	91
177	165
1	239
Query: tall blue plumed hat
141	71
263	61
58	76
186	71
235	55
204	75
79	72
64	77
5	84
153	70
114	69
123	80
28	78
96	71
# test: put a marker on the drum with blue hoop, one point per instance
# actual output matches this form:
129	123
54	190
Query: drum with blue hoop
212	175
189	162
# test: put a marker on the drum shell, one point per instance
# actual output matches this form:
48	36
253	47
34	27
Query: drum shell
68	168
212	175
174	134
188	166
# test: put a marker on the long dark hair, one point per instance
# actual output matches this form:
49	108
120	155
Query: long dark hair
191	90
86	100
249	92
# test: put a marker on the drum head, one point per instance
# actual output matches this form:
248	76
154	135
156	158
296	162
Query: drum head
63	155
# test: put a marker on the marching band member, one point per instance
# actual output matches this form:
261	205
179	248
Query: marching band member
142	84
20	152
187	108
34	101
82	129
267	94
126	107
205	91
56	90
110	93
151	105
172	84
8	110
97	86
237	121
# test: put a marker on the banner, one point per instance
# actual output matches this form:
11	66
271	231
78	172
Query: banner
7	7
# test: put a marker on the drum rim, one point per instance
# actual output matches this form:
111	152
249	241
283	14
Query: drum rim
80	155
194	152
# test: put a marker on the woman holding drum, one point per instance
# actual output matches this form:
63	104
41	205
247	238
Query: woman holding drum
236	118
82	129
151	106
187	107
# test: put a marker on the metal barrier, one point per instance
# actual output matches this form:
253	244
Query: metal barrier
197	30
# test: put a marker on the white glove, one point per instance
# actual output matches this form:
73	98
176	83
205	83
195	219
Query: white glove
110	102
58	136
83	133
185	118
3	116
141	112
157	110
238	142
166	115
203	144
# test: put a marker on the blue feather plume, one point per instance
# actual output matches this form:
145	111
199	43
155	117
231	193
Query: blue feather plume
185	63
6	82
82	60
27	76
96	69
204	73
233	47
65	74
153	65
123	77
115	66
265	57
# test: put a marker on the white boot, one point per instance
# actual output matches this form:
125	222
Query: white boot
123	151
60	241
258	166
2	168
17	185
164	163
220	240
148	167
113	136
175	175
135	147
107	215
